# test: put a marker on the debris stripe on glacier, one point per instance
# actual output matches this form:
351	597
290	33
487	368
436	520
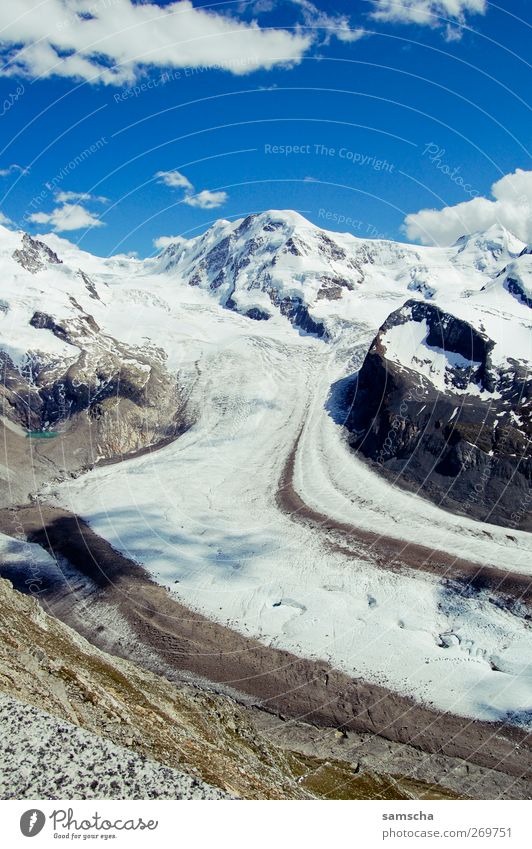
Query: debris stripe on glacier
202	512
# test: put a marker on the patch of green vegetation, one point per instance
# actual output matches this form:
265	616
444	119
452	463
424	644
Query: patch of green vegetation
340	780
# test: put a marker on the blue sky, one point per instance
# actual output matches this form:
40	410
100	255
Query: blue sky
355	114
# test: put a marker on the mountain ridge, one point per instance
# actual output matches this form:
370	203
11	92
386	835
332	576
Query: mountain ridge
70	355
106	361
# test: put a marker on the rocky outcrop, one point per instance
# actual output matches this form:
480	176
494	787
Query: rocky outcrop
45	757
297	313
34	255
106	401
98	726
464	443
45	664
46	392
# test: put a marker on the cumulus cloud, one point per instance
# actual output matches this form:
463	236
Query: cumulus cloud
510	207
66	197
4	219
206	199
113	40
174	179
69	216
431	13
202	200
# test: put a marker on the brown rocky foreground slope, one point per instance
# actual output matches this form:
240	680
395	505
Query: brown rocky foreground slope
204	735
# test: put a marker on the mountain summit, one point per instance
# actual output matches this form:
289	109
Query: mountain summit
99	346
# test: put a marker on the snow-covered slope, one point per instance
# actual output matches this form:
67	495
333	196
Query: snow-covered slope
463	341
202	515
265	266
246	334
485	251
60	362
515	279
278	260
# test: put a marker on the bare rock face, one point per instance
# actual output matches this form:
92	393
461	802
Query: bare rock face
34	255
89	285
101	368
297	312
48	758
89	398
105	401
114	703
465	443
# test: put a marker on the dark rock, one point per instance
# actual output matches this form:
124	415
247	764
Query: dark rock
34	255
91	288
298	314
465	453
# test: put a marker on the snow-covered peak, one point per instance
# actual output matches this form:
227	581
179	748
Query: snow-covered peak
34	255
277	261
251	227
488	249
275	266
511	290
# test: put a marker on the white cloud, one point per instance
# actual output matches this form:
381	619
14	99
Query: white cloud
428	12
511	207
202	200
206	199
349	34
174	179
112	40
70	216
163	241
14	168
66	197
452	33
336	25
4	219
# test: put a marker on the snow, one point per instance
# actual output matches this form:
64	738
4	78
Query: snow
485	250
202	511
519	271
406	345
215	528
29	557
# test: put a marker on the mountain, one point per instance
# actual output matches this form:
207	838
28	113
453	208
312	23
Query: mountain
515	278
62	370
216	415
73	361
437	406
279	262
463	366
442	401
486	250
